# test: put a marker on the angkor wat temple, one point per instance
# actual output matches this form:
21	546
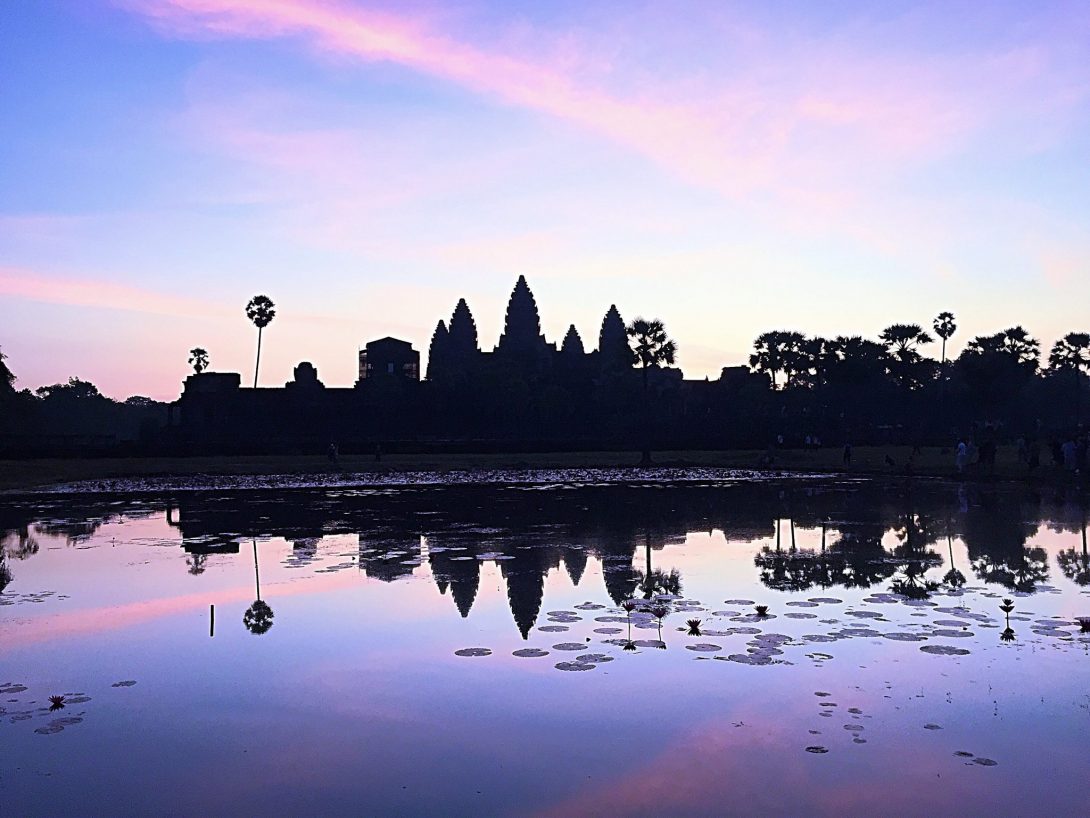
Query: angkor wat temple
525	393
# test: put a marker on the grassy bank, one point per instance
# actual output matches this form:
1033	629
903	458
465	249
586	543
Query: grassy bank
18	474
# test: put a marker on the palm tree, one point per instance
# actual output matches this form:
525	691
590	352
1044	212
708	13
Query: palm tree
653	347
261	311
779	351
198	359
945	328
1072	353
901	341
258	618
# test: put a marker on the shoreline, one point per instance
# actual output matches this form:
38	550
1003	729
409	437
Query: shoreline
33	476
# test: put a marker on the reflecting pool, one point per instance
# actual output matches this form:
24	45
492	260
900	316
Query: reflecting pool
558	646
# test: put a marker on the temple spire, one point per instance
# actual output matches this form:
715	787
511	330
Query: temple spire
614	353
522	326
438	351
463	331
573	344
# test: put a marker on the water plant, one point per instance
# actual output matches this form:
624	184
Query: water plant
628	605
659	611
762	610
56	702
694	627
1007	606
1007	635
1084	623
629	645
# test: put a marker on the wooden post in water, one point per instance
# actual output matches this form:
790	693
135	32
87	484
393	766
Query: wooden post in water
211	621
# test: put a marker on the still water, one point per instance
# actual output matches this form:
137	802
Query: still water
467	650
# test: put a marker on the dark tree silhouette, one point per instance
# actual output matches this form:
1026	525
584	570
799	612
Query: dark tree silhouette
652	347
902	341
778	351
261	311
7	378
198	359
945	327
1072	354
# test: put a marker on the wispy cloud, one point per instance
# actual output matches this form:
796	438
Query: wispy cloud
89	291
805	109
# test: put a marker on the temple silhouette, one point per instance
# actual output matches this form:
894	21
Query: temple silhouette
525	392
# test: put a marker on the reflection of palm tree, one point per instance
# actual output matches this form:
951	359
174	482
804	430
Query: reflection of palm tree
27	546
954	578
1075	565
995	536
5	572
196	563
655	581
258	618
913	559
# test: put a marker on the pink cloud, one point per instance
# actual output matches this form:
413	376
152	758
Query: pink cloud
19	282
733	133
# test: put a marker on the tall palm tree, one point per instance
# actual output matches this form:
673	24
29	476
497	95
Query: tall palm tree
945	328
652	347
258	618
261	311
1072	353
198	359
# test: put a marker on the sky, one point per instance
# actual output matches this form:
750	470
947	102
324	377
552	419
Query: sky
728	168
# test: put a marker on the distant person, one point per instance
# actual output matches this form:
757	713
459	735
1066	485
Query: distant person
1023	451
1068	454
961	456
846	460
333	454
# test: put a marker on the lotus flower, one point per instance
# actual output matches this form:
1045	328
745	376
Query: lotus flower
1007	635
1084	623
694	627
629	645
56	702
1007	606
659	611
628	605
762	610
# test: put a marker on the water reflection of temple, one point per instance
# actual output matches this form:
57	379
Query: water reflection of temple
897	538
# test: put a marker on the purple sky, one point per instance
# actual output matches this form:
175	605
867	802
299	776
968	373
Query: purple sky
729	168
